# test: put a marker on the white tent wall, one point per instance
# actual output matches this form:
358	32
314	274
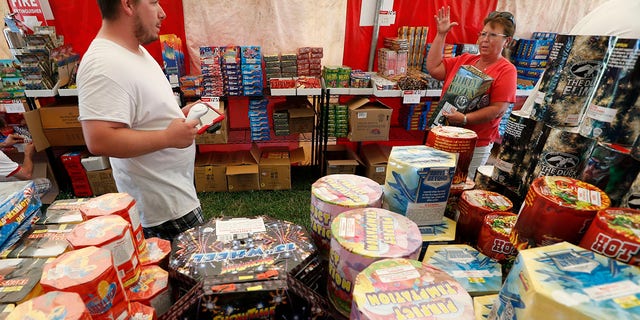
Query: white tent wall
276	26
546	15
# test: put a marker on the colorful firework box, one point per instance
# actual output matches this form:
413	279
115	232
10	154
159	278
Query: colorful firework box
18	211
572	283
240	266
443	233
477	273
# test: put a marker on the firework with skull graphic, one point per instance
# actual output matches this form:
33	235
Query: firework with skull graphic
575	66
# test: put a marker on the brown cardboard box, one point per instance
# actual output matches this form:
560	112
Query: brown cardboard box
301	120
211	172
54	126
274	164
368	120
374	158
341	160
219	137
242	171
101	182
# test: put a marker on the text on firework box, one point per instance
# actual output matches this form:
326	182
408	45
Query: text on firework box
368	120
55	126
211	172
466	93
341	160
374	158
418	182
274	165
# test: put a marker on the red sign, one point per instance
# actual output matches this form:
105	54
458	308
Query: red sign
32	13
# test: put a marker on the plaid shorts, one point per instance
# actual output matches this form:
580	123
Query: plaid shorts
172	228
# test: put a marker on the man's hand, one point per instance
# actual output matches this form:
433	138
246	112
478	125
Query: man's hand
29	150
182	132
13	139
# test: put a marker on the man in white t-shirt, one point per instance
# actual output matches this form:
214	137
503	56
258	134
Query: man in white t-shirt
129	113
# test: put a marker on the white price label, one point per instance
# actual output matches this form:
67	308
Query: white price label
411	97
13	106
212	101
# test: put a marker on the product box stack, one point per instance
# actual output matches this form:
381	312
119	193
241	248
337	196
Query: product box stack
281	122
13	84
173	58
338	121
449	51
72	162
259	120
19	208
118	273
289	65
251	59
417	38
414	116
530	58
272	68
310	61
37	64
231	70
192	86
336	76
212	81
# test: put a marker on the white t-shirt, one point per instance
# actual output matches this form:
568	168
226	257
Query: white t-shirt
7	167
117	85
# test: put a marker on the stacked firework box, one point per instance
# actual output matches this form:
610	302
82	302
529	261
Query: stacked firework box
530	58
212	81
259	120
251	60
417	37
173	57
414	116
310	61
393	57
72	162
232	70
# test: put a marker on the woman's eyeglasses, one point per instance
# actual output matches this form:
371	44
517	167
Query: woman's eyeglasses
490	35
502	14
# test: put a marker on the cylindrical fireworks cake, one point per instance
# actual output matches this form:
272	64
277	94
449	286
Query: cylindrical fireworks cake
57	305
241	264
615	233
472	207
358	238
574	65
611	168
520	136
610	117
152	289
484	181
90	273
112	233
402	288
556	209
337	193
493	240
121	204
455	140
632	198
564	153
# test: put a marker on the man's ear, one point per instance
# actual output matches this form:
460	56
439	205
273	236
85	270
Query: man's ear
127	6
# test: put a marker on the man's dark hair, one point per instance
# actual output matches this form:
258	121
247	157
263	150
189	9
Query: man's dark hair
109	8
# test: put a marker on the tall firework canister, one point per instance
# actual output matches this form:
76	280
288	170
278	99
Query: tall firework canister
52	305
90	273
121	204
112	233
574	67
615	233
520	137
403	288
611	168
632	198
612	116
493	240
483	180
360	237
456	140
337	193
564	153
556	209
472	207
152	289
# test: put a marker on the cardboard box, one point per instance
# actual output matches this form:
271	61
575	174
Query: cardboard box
341	160
242	171
211	172
368	120
54	126
374	158
101	182
301	120
274	165
219	137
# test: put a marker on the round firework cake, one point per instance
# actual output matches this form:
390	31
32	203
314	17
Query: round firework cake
493	240
556	209
473	206
455	140
615	233
337	193
360	237
403	288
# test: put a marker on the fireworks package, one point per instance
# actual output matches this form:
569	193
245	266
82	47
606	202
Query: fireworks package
240	266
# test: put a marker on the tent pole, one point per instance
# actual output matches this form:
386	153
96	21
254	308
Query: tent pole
374	36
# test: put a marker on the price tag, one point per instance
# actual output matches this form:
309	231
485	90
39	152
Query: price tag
411	96
213	101
386	18
13	106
